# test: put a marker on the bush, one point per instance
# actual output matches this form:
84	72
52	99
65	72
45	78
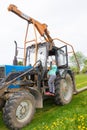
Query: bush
84	70
75	70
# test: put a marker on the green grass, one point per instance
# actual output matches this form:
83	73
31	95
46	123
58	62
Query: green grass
72	116
81	80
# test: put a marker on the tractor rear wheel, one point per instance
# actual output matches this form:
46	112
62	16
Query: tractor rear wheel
63	90
19	110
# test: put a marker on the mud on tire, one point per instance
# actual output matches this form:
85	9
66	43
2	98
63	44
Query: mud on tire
19	110
63	90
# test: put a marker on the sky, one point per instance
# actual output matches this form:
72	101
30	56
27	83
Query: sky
66	19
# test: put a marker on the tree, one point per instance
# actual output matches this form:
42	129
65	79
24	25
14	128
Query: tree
84	70
75	69
80	57
20	63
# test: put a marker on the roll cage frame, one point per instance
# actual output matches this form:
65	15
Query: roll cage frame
42	30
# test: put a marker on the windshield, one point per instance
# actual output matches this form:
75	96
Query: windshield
41	55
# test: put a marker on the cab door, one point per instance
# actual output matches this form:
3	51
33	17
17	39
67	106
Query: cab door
62	57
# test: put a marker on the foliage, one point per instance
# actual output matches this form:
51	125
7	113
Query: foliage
75	69
85	62
80	57
20	63
84	70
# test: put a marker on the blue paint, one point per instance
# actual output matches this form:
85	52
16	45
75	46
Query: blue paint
15	68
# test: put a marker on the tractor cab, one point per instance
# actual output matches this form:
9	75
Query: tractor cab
41	54
46	55
59	55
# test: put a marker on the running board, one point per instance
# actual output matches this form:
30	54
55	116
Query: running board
77	91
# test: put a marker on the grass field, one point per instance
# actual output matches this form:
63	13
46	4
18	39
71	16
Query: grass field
69	117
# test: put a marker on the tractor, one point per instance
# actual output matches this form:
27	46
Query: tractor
23	87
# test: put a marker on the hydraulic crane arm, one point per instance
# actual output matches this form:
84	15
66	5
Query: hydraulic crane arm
42	28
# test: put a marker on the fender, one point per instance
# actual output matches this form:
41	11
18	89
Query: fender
38	97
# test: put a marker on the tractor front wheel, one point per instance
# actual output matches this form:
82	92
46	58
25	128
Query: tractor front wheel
19	110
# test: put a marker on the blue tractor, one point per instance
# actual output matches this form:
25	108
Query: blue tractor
23	87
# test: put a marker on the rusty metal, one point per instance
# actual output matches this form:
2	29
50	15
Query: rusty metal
69	52
36	47
80	90
41	28
25	44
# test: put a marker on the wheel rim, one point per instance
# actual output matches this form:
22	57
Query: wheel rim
66	88
23	111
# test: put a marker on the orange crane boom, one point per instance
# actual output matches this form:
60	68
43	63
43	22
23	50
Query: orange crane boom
42	28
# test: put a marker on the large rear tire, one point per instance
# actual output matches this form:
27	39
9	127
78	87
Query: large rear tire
63	90
19	110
